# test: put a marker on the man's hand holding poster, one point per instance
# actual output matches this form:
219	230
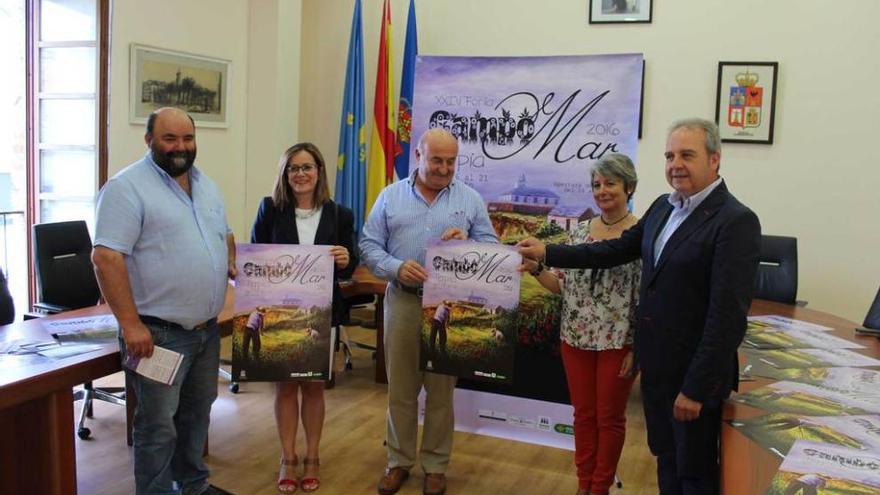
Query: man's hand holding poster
469	310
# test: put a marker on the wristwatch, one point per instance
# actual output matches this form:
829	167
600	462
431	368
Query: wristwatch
538	269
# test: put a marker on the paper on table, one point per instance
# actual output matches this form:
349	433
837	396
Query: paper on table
162	366
84	324
781	322
58	351
87	328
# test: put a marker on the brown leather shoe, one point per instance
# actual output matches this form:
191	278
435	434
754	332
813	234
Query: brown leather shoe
435	484
392	480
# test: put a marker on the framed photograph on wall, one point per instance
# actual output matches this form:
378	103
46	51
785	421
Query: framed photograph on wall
620	11
166	78
745	106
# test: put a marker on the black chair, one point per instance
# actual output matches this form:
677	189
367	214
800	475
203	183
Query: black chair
777	277
7	306
872	319
66	280
352	302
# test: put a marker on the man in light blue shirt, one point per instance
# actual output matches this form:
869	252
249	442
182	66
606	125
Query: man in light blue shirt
163	252
428	204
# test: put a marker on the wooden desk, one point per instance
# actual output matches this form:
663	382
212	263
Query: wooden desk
37	453
364	282
746	467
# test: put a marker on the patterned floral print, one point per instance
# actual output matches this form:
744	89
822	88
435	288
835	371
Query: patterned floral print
598	306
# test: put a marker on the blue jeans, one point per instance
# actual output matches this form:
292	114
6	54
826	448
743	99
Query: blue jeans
171	421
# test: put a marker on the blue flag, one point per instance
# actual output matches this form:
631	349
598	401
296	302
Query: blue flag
407	80
351	163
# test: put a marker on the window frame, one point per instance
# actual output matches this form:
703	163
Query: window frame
33	97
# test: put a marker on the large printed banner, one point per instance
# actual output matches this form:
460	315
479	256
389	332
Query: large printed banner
813	468
281	328
468	310
529	130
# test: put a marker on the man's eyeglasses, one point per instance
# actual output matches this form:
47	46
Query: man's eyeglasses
306	169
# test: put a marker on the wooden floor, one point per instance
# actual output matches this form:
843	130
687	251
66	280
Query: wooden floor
244	447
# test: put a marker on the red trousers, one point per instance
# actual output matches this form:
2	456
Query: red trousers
599	397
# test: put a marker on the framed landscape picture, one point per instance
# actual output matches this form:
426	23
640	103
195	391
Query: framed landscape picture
620	11
745	105
165	78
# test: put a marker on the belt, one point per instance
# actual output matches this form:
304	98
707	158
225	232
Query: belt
153	320
416	291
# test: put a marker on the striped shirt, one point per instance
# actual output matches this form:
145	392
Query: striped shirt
402	221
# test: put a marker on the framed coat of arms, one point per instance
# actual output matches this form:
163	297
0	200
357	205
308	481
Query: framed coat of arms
746	101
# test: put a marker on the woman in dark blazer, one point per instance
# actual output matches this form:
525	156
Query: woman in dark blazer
300	211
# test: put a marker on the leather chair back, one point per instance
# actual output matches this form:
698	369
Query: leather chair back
777	278
872	319
63	265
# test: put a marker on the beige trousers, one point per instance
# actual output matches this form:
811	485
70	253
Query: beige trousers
403	318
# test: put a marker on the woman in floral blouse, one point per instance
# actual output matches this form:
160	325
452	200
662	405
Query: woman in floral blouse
598	318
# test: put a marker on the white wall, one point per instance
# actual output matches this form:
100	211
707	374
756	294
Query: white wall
272	97
216	29
817	181
261	38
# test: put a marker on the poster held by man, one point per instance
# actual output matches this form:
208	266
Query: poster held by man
281	330
469	310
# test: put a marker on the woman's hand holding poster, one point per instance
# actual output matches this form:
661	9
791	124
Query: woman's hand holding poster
283	299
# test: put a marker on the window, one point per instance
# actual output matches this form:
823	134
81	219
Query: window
53	111
66	109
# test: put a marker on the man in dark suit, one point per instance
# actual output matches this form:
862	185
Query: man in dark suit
699	248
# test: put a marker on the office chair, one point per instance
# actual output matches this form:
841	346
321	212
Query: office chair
355	301
777	277
7	306
872	319
66	280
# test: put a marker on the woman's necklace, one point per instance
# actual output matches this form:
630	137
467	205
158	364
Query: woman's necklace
306	213
608	224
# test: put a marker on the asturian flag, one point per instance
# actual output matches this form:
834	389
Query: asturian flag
351	159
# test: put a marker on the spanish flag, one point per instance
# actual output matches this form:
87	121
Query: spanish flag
380	167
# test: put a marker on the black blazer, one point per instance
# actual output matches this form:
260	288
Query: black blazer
336	227
693	306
